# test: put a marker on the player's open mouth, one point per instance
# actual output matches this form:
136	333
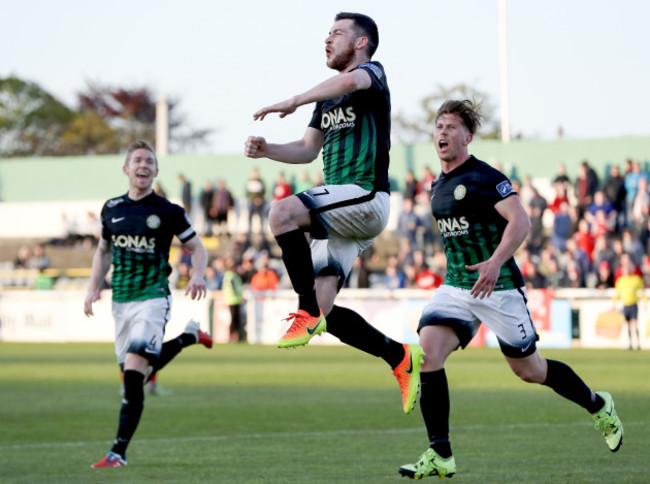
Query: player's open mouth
142	174
443	144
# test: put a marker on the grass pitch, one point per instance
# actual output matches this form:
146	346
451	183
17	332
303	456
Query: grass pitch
253	414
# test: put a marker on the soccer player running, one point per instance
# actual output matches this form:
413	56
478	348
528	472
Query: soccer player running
137	231
351	124
483	223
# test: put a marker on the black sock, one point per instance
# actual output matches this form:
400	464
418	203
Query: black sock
435	407
564	381
296	255
172	348
186	339
131	410
353	330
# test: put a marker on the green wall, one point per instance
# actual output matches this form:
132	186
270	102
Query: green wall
540	159
101	177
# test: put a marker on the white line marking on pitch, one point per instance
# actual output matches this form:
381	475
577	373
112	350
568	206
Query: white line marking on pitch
278	435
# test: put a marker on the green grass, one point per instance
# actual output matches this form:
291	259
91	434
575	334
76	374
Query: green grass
316	414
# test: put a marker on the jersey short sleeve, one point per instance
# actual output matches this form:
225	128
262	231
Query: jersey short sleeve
377	75
182	226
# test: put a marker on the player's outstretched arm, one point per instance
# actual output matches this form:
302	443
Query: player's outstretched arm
334	87
284	108
255	147
196	285
302	151
101	265
513	236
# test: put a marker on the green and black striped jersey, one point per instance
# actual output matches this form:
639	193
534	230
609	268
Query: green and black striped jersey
462	202
140	234
356	130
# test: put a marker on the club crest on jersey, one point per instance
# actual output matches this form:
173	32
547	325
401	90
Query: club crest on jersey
459	192
153	221
505	188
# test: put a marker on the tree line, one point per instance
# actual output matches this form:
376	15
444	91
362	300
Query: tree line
33	122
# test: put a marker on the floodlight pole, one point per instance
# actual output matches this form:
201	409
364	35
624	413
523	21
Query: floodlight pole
162	126
503	73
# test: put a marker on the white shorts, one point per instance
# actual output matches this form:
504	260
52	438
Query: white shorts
140	327
504	312
345	221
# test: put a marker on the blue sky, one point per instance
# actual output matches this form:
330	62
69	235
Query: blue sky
579	64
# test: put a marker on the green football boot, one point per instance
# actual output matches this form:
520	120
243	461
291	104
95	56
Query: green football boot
430	464
606	420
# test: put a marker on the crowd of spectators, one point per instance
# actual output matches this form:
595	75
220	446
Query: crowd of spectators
31	257
580	230
593	222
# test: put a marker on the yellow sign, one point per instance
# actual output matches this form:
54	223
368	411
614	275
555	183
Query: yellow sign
609	324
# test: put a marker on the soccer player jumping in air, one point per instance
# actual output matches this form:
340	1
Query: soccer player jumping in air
351	124
483	223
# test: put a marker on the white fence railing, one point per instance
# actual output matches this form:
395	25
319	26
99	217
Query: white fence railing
57	316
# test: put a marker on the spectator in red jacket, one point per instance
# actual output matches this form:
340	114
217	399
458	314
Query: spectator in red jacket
265	279
281	189
585	239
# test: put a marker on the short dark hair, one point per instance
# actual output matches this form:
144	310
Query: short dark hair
364	26
467	110
139	144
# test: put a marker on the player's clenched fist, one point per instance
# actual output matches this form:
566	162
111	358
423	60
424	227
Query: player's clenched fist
255	147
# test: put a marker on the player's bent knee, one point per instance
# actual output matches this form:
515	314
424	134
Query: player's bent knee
287	214
139	361
529	375
528	378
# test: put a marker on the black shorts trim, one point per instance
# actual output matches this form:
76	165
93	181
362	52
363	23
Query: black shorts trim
141	350
463	329
516	352
333	268
317	229
151	357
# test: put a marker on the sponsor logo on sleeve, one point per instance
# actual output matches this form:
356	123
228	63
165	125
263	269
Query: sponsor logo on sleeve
505	188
